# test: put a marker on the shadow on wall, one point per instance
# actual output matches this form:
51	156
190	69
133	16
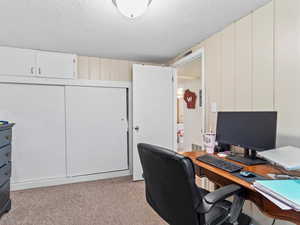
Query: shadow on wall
283	140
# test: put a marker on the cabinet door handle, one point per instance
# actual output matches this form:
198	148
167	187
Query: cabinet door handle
40	71
32	70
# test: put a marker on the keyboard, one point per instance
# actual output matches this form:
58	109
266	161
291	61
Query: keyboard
220	163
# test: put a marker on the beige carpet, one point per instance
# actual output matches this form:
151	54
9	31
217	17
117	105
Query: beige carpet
107	202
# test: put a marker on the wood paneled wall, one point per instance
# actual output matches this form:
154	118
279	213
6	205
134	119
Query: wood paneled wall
254	64
93	68
239	65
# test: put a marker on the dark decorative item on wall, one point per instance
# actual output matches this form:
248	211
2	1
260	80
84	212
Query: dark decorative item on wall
190	99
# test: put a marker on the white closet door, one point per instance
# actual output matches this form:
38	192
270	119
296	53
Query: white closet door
15	61
96	130
56	65
38	146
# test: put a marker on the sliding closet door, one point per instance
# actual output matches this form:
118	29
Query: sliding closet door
38	146
96	130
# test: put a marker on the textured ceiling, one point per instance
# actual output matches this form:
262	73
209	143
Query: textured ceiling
95	28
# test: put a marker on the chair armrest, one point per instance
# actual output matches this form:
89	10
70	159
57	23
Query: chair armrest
211	199
222	193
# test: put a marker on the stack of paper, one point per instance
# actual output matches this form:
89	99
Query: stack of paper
283	193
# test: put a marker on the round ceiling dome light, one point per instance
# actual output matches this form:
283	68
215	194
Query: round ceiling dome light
132	8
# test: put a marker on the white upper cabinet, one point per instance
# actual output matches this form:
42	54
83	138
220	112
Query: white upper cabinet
26	62
57	65
19	62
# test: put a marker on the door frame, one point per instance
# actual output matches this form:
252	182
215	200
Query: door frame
199	53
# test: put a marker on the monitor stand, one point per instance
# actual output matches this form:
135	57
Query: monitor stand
249	158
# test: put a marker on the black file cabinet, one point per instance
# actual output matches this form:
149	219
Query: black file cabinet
5	167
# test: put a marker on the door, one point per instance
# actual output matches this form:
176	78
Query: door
154	109
38	145
96	130
18	62
56	65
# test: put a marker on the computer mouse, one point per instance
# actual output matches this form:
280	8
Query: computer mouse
247	174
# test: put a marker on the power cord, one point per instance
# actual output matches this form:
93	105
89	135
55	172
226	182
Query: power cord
274	221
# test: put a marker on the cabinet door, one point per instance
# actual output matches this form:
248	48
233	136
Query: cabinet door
38	145
19	62
96	130
56	65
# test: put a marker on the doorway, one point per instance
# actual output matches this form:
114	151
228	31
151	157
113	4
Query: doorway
190	102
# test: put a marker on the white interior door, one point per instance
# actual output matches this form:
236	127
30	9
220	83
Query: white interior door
153	109
96	130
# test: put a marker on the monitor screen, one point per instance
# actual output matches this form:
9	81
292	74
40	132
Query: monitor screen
252	130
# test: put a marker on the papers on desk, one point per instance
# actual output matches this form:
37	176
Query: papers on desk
284	193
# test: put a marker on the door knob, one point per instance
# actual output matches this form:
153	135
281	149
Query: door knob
137	128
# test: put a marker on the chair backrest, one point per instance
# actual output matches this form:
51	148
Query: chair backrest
170	185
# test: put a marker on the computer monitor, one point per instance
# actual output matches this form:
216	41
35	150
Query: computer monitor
253	131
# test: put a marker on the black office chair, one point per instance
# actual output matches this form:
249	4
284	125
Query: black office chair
171	191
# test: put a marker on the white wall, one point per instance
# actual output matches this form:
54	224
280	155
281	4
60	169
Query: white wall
192	117
93	68
190	78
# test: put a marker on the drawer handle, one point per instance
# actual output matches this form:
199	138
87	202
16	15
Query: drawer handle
7	137
7	154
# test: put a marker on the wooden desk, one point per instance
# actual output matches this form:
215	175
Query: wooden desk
222	178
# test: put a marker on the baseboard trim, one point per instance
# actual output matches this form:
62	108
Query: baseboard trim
67	180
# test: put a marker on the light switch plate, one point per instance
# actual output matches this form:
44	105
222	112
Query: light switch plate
214	107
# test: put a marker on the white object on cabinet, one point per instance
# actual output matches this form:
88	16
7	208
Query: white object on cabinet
56	65
39	134
19	62
26	62
96	130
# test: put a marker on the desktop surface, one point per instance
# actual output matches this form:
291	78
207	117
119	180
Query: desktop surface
222	178
260	170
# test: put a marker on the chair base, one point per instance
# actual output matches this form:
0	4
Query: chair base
243	220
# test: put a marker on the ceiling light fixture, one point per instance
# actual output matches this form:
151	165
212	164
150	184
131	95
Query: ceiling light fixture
132	8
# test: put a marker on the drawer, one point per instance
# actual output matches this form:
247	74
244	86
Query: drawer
4	194
5	173
5	155
5	137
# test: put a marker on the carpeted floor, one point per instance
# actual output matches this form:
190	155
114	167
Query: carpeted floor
106	202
